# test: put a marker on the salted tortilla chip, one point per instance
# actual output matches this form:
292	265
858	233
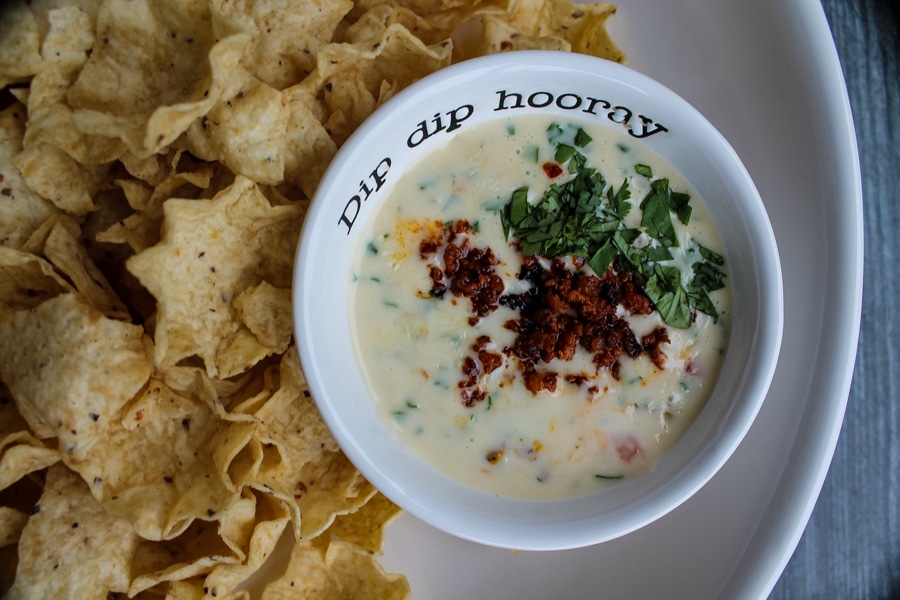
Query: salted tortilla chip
156	67
142	228
352	74
154	466
20	43
20	452
582	25
211	251
285	35
246	130
70	370
267	312
22	210
58	177
71	547
308	470
309	147
269	523
365	527
12	522
500	36
65	251
224	554
65	51
27	280
193	553
343	571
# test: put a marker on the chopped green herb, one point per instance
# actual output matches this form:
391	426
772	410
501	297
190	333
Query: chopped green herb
644	170
656	218
585	217
371	248
716	259
668	295
599	476
510	129
554	131
679	203
582	139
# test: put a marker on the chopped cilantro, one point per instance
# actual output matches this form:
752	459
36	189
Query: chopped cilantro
644	170
656	218
584	217
582	139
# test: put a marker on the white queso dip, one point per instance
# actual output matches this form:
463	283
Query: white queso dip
540	307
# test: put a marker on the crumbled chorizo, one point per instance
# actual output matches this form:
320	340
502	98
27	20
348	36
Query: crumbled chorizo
563	308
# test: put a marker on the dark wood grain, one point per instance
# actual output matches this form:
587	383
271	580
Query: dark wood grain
851	546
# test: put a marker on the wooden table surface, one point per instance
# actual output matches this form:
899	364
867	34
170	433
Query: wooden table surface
851	546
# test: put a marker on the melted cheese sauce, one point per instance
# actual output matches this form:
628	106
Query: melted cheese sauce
550	445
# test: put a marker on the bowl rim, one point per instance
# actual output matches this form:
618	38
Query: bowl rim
559	531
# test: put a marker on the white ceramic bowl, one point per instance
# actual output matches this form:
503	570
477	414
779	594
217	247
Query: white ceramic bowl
322	303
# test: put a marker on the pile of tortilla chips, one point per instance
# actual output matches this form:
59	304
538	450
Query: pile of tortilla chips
157	158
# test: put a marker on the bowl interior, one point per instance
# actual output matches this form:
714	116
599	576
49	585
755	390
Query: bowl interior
421	119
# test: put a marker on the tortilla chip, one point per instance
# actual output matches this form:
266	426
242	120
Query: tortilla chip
304	465
58	177
68	43
141	229
71	547
246	130
343	571
500	36
267	312
27	280
193	553
211	251
285	35
156	67
20	44
22	210
365	527
581	25
352	74
269	523
309	147
70	370
12	522
20	454
153	466
71	259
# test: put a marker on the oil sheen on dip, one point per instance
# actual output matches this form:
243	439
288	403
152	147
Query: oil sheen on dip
598	425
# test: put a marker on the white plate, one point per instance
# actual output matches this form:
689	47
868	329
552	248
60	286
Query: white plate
766	74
